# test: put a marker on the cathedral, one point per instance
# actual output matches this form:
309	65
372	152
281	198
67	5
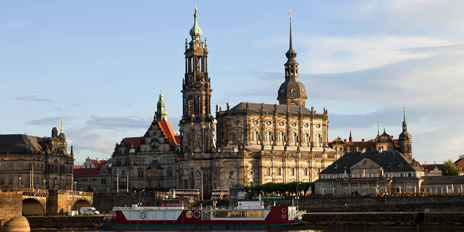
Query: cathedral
248	144
256	143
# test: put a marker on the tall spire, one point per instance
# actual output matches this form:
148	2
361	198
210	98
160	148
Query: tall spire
62	128
351	137
161	108
405	134
404	118
196	31
291	92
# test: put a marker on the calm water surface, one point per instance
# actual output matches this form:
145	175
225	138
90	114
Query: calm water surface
370	229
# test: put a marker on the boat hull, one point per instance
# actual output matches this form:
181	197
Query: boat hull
119	226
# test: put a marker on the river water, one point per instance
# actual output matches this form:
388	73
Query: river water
367	229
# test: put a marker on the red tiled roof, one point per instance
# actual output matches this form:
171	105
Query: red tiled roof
169	133
86	171
431	167
133	141
459	163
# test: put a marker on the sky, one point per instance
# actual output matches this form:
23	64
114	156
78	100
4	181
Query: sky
100	66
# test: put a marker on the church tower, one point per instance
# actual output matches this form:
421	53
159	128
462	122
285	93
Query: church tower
196	126
291	92
405	139
161	109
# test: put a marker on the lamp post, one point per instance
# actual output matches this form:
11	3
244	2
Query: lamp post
20	178
140	194
297	195
75	185
45	181
201	176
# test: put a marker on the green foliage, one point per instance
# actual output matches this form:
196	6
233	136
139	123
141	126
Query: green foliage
281	188
449	169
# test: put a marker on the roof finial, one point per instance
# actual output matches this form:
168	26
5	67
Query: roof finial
290	14
404	114
62	129
351	137
378	128
196	31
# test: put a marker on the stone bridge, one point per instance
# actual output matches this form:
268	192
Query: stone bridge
17	201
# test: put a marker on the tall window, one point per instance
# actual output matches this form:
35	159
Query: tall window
255	136
279	171
292	171
281	136
268	171
268	136
306	138
294	137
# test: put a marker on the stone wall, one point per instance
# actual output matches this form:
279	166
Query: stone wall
105	202
60	222
10	203
368	204
61	201
376	219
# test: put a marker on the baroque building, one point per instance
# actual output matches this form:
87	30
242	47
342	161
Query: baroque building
93	176
371	172
36	162
383	142
134	158
257	143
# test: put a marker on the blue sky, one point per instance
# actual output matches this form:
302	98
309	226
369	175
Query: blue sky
100	65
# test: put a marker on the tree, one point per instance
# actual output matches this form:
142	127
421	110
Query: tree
449	169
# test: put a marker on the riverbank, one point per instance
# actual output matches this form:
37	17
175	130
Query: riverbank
65	222
385	219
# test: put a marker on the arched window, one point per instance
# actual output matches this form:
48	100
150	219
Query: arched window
237	136
279	171
306	171
268	136
268	171
292	171
281	136
255	136
319	140
306	138
294	138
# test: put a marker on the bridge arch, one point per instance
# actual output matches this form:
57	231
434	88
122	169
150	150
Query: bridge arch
33	207
81	203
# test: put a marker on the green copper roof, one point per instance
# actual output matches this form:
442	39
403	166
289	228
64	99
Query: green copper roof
132	150
196	31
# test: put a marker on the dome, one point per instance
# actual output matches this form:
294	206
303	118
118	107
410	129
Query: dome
292	89
405	135
196	30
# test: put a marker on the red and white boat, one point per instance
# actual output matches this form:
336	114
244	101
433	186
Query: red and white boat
248	215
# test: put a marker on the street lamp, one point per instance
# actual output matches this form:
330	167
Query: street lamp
297	195
140	194
75	185
20	178
45	181
201	176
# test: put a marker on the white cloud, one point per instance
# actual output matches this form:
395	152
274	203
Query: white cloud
348	54
33	98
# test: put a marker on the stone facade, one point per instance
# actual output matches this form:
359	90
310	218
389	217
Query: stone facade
93	175
256	143
371	172
36	162
134	159
383	142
